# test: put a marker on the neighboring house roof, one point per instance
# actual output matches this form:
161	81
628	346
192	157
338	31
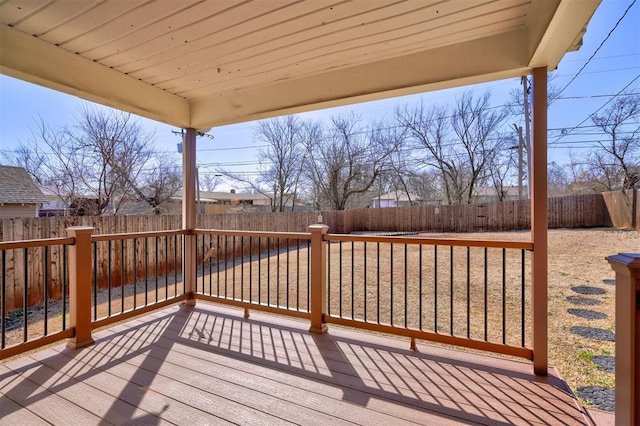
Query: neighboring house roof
231	196
398	196
490	191
16	187
226	196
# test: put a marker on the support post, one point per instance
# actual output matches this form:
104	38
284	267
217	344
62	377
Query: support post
318	278
627	268
80	286
189	214
539	222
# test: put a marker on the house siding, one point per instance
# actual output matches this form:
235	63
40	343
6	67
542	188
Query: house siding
18	210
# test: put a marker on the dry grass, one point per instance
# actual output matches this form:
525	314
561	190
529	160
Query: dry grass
576	257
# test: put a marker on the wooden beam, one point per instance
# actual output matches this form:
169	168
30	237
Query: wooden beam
562	34
539	222
37	61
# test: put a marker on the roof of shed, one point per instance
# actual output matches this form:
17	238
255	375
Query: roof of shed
17	187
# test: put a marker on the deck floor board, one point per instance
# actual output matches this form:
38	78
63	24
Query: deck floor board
209	365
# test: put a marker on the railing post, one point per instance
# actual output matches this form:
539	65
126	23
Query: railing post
627	268
318	278
80	286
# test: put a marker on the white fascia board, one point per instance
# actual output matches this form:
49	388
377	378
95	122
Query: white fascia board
492	58
562	33
28	58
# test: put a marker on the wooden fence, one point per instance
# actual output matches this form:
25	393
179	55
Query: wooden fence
617	209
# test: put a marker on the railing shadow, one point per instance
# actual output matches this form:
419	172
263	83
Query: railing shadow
360	372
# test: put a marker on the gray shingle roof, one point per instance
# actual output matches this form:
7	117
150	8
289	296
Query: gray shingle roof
16	187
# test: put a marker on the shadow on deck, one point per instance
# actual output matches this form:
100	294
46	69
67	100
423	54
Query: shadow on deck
210	365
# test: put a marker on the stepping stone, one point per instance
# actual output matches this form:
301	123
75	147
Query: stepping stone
587	313
585	289
606	362
577	300
594	333
601	397
609	282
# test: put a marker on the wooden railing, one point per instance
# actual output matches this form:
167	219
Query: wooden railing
464	292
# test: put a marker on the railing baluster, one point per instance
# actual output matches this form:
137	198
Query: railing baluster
123	274
135	273
435	289
406	287
146	271
328	276
486	292
233	266
353	273
218	266
468	292
504	286
241	268
297	275
522	301
251	268
166	267
109	277
364	280
3	302
260	269
309	274
211	247
64	287
287	242
268	271
451	290
95	281
378	283
45	289
391	282
340	276
25	294
175	265
156	266
278	272
420	287
226	260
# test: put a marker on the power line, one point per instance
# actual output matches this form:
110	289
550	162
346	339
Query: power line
596	111
599	47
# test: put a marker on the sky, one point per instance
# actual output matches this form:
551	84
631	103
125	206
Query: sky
601	68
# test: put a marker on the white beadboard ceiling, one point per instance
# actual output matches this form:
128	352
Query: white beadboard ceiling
195	63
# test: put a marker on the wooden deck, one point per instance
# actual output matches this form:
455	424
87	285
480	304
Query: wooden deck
209	365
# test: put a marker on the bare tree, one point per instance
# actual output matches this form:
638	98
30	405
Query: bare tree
101	161
460	142
346	162
426	184
282	161
618	158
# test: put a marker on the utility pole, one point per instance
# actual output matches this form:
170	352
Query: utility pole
520	161
527	128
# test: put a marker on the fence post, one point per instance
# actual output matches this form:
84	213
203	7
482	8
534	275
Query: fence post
627	268
318	278
80	286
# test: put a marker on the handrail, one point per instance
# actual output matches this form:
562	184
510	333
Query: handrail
43	242
263	234
458	242
131	235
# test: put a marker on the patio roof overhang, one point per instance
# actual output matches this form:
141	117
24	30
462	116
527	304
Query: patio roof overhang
196	64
